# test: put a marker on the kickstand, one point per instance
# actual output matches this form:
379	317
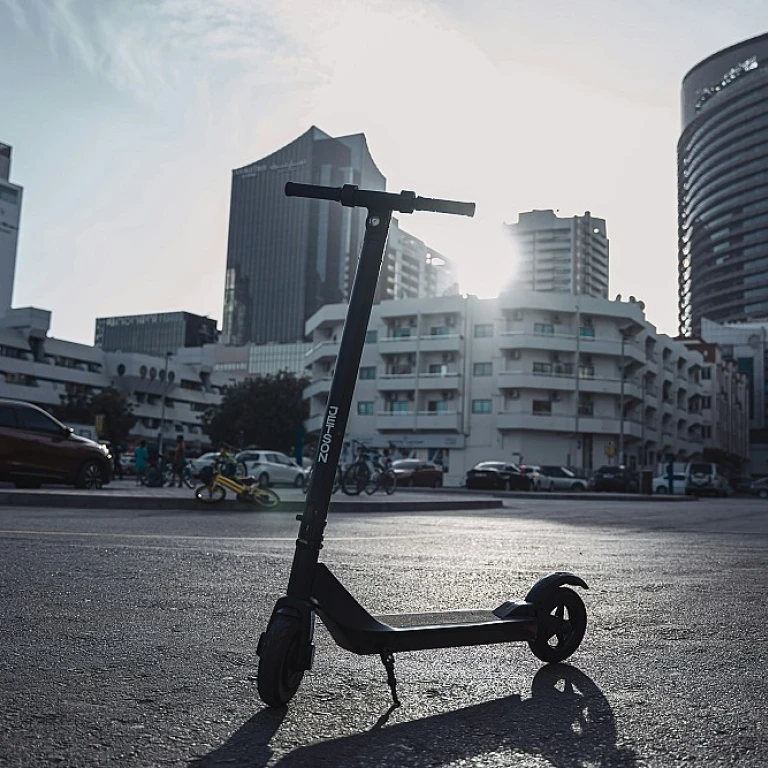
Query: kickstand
388	660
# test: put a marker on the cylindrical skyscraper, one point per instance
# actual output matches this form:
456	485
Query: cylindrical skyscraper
722	161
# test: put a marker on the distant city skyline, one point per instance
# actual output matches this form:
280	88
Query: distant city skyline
127	119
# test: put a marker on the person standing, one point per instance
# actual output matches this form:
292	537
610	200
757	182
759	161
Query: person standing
141	457
179	460
117	460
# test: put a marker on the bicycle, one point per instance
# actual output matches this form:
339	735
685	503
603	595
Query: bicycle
383	477
170	475
359	474
337	481
221	477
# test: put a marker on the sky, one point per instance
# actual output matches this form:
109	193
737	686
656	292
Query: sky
127	117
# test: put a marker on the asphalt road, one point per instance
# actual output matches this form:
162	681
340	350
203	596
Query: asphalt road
128	639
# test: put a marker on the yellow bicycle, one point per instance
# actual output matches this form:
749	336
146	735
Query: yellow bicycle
221	477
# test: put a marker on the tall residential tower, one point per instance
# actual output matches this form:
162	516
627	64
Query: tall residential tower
562	255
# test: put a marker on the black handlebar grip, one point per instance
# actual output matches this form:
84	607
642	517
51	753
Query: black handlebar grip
314	191
444	206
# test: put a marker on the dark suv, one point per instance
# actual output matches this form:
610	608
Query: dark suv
35	448
616	479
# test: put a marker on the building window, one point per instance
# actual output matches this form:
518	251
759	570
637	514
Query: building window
706	431
483	331
402	333
399	406
543	329
440	330
542	408
706	373
706	402
364	408
482	369
587	333
368	372
481	406
371	337
542	369
437	406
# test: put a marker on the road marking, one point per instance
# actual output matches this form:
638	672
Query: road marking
174	537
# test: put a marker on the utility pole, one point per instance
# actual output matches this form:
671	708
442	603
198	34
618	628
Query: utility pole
621	399
162	407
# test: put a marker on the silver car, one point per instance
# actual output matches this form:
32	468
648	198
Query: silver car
552	478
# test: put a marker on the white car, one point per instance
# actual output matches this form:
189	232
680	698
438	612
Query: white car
679	481
272	468
206	460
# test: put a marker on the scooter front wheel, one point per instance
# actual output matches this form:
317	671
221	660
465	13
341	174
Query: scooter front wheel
562	624
280	661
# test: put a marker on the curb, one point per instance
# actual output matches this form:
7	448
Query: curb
105	501
533	496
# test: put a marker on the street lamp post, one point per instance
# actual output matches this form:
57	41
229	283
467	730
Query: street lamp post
162	407
621	398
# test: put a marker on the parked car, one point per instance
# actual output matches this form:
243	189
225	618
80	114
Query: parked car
36	448
552	478
414	472
497	475
706	479
532	471
615	478
201	462
272	468
759	488
660	484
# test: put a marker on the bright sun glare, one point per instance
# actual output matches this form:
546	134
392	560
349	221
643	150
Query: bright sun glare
435	89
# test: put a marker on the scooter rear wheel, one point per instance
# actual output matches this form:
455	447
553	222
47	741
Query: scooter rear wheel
280	661
554	646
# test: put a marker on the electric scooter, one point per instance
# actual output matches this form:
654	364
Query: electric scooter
552	618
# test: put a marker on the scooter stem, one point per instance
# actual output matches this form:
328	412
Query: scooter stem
313	519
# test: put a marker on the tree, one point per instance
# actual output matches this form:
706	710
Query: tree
110	404
264	411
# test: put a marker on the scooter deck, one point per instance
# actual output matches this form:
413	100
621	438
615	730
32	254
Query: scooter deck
472	616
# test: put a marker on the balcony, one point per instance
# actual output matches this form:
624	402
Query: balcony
398	345
449	380
430	421
528	380
397	382
318	387
325	350
396	420
553	342
525	420
314	422
437	343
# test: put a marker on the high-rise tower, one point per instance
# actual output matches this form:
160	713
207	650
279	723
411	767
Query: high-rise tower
722	167
287	258
10	214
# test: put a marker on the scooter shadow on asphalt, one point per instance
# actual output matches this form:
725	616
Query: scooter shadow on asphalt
566	721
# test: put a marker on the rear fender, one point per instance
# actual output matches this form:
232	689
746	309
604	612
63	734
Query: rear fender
546	584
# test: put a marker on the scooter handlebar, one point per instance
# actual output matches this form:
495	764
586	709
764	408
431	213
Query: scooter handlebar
444	206
404	202
314	191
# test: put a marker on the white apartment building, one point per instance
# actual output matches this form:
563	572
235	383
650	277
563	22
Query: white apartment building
563	255
528	377
40	369
10	216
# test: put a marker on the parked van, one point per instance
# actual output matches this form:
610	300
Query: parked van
705	478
